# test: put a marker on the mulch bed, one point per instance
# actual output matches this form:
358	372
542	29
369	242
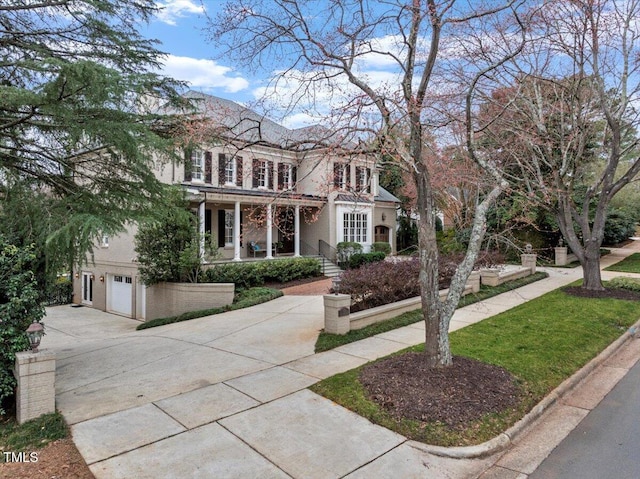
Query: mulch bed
615	293
456	395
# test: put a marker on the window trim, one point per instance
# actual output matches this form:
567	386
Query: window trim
263	175
197	165
231	166
229	222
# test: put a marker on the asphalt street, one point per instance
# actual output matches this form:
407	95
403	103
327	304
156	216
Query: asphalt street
606	444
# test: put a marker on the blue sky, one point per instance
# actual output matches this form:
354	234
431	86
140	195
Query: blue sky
180	28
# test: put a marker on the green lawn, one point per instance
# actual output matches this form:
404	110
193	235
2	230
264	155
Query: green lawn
541	342
631	264
327	341
242	299
31	435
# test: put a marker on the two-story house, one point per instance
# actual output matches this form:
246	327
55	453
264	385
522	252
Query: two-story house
261	191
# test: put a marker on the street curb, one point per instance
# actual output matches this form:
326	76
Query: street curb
505	439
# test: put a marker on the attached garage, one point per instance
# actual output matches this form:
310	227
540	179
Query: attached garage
120	294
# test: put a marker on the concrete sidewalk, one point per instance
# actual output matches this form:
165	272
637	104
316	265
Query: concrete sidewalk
225	396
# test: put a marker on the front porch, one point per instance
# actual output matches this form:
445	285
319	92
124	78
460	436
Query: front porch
241	228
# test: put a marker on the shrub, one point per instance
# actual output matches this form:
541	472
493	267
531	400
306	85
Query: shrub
248	275
358	259
448	242
619	227
61	292
345	249
19	306
381	283
385	282
381	246
632	284
167	246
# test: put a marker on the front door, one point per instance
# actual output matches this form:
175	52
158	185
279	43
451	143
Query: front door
381	234
87	288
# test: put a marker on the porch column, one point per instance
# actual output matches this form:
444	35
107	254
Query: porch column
269	231
201	228
296	232
236	232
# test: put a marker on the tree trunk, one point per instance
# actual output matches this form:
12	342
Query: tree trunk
592	278
437	349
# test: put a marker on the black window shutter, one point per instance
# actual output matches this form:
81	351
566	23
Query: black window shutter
281	167
207	167
270	173
336	174
238	170
255	172
222	163
207	221
221	229
294	178
188	166
368	185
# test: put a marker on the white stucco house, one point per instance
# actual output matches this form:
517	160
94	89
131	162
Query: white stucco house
261	191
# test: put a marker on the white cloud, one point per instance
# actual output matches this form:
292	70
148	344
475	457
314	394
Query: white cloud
171	10
204	74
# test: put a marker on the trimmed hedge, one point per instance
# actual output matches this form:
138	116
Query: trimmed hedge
358	259
381	246
248	275
622	282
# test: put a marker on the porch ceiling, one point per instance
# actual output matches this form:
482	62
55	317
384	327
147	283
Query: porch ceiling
223	195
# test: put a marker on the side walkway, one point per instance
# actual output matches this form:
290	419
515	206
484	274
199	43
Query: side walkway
225	396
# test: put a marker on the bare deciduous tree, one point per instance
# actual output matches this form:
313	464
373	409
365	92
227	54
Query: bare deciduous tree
566	128
322	51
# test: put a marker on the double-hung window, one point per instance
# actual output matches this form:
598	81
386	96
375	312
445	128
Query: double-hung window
362	179
197	165
230	172
229	217
263	174
340	175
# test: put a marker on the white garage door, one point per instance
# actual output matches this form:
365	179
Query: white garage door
120	294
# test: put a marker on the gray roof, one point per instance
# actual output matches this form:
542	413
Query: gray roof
240	123
384	195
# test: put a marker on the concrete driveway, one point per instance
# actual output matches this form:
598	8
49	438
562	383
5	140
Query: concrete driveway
226	396
222	396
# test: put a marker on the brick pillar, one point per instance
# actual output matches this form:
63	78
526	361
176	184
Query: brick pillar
336	313
529	261
36	393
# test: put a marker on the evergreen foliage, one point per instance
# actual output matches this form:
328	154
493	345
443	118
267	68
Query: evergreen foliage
78	112
168	244
19	306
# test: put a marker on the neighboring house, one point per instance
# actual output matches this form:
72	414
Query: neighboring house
261	191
